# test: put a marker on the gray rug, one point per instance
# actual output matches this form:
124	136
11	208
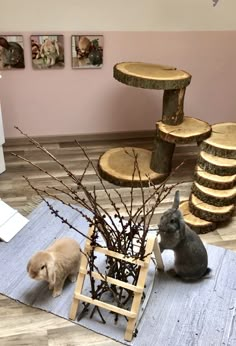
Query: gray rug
201	313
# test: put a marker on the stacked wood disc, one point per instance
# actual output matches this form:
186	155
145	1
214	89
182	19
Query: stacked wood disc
214	189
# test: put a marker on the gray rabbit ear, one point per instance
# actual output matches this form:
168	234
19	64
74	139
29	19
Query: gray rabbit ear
176	200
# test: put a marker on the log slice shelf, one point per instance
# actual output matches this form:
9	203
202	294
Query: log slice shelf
219	198
151	76
117	166
190	130
209	212
216	164
222	141
214	181
195	223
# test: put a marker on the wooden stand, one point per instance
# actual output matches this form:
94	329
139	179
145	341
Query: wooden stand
117	168
132	315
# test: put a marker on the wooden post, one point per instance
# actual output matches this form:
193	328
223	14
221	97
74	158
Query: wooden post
161	160
173	106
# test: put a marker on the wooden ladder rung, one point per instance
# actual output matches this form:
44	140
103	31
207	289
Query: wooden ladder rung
106	306
117	255
113	281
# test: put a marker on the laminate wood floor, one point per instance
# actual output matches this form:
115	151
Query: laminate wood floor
22	325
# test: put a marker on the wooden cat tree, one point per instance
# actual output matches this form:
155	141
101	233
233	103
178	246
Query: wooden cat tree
117	165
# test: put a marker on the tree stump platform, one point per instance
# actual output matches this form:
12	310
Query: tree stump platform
209	212
151	76
222	141
190	130
195	223
117	166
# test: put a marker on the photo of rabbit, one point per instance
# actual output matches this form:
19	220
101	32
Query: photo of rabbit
55	264
191	259
47	51
11	52
87	51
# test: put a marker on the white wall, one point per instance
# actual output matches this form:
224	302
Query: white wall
116	15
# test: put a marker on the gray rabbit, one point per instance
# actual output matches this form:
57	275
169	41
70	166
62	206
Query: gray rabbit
12	54
191	258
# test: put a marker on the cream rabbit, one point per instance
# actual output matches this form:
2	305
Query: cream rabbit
56	263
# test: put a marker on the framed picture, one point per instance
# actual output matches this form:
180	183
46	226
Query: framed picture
11	52
47	51
87	51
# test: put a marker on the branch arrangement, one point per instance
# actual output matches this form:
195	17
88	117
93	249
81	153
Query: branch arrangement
126	235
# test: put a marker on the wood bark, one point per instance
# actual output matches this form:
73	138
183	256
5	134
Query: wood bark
190	130
117	166
195	223
161	160
214	181
215	197
173	106
209	212
222	141
151	76
216	165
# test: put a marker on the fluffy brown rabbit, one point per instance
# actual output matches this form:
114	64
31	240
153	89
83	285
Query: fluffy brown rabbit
191	258
56	263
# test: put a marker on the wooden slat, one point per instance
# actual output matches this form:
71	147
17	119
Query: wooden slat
113	281
141	282
105	305
119	256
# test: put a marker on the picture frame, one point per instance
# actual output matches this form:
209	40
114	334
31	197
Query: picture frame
87	51
12	52
47	52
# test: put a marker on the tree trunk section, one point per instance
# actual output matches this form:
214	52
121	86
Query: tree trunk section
195	223
173	106
209	212
161	160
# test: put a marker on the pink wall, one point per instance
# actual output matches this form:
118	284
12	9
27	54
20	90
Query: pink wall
61	102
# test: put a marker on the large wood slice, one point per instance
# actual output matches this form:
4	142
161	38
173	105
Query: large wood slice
195	223
214	181
209	212
213	196
222	141
216	165
151	76
117	166
190	130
